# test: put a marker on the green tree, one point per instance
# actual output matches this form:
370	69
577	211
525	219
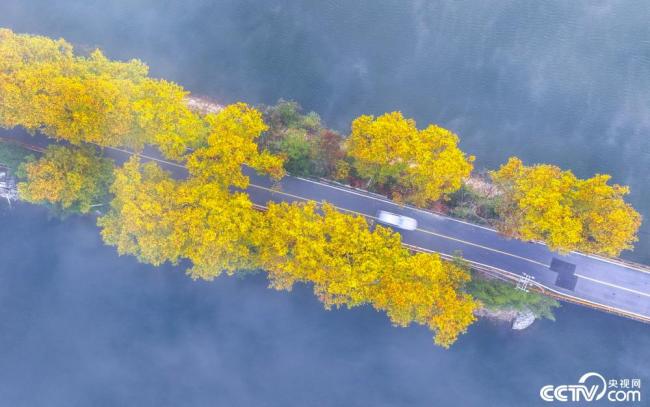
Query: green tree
298	151
12	155
309	148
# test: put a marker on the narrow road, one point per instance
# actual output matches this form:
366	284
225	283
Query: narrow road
605	284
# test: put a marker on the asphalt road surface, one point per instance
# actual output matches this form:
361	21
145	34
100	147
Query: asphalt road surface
593	281
612	284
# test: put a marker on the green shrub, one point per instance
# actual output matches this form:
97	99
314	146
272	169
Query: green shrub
499	295
468	204
298	151
11	155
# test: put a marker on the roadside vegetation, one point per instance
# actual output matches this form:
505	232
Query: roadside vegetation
71	180
389	155
543	202
473	204
309	149
207	221
11	156
496	295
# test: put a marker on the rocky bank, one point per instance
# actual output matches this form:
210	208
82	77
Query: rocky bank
518	320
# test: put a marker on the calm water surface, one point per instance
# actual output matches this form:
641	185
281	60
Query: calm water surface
560	82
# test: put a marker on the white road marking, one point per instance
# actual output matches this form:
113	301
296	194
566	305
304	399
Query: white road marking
612	285
613	261
388	201
483	247
148	157
427	231
562	294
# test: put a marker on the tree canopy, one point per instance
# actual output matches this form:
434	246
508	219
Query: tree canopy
231	143
350	265
208	221
309	148
422	164
159	219
545	203
45	87
71	179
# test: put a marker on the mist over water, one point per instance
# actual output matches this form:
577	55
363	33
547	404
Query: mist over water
81	327
561	82
566	83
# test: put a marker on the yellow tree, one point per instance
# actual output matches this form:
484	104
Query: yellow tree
609	224
230	144
420	165
72	179
21	50
350	266
427	290
164	119
159	219
77	99
16	53
219	227
200	219
142	220
44	87
542	202
92	110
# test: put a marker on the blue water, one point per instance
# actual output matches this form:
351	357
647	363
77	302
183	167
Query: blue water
564	82
81	327
555	81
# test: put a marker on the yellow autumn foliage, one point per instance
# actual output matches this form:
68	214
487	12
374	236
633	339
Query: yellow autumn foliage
230	144
141	221
542	202
423	164
45	87
71	179
159	219
350	265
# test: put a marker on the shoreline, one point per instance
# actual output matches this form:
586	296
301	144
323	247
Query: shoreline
518	320
510	316
203	104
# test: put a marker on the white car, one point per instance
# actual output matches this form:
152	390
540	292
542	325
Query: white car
398	221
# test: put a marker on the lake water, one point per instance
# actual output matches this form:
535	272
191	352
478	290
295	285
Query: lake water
560	82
